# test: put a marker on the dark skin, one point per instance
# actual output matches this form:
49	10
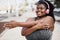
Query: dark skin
31	25
41	25
42	22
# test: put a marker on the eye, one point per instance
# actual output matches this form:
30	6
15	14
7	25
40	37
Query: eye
37	8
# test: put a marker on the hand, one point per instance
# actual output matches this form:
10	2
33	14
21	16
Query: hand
39	26
11	24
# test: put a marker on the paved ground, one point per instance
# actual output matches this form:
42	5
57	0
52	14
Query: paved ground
15	33
56	32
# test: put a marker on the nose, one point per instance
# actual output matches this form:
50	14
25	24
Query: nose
39	10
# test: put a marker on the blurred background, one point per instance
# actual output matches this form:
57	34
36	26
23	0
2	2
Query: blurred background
20	10
14	8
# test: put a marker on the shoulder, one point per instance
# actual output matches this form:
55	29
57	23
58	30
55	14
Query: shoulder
49	18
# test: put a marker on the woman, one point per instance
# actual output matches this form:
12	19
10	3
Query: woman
41	33
40	27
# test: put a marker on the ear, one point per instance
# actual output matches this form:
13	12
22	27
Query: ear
47	11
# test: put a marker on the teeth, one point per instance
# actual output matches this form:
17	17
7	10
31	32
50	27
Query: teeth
39	12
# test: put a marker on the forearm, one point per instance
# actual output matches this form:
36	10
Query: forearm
26	24
28	31
36	27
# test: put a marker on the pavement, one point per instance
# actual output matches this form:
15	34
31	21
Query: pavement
15	33
56	32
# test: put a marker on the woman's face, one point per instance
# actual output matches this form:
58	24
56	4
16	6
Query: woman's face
40	10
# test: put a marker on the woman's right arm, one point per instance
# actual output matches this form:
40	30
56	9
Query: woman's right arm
30	22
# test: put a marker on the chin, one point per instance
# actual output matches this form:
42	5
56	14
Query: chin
40	15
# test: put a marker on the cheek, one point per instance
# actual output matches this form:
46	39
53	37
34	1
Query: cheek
44	11
36	11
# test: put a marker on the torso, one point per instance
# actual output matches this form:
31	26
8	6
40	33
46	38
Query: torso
40	34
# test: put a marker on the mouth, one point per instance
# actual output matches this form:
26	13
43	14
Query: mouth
39	13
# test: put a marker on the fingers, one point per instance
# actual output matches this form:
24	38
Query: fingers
8	25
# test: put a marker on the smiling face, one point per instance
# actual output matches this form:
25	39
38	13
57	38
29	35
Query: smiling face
41	10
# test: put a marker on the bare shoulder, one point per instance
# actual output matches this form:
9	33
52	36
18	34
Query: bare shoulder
49	18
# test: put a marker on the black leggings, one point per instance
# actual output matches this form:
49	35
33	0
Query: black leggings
40	35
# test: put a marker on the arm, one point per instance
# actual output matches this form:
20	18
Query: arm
43	25
30	22
27	31
26	24
49	23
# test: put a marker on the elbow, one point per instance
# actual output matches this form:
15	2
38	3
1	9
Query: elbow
24	34
52	28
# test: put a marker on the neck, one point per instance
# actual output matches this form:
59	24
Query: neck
40	16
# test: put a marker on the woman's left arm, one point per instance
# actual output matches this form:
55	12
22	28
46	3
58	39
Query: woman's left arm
49	23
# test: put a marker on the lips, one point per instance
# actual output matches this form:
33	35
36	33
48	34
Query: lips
39	13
